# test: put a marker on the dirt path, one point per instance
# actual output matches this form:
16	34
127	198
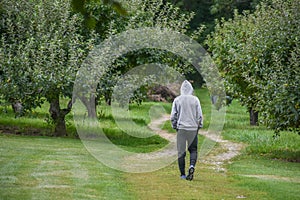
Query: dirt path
225	151
156	125
221	154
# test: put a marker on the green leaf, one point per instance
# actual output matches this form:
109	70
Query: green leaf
119	8
78	6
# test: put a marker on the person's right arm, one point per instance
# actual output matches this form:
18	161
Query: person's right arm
199	114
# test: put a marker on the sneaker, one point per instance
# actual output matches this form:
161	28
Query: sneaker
183	177
190	176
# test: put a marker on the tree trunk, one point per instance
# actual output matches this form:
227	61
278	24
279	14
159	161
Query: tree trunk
90	104
107	97
58	116
91	108
17	108
253	117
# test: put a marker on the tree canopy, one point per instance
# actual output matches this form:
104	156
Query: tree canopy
258	55
40	55
43	44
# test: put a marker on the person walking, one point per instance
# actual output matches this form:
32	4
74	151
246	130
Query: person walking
186	118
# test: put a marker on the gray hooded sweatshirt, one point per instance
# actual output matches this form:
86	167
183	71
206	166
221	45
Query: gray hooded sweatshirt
186	109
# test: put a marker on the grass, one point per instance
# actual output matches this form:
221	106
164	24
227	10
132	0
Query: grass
61	168
207	185
261	172
260	140
55	168
279	180
134	144
36	122
140	116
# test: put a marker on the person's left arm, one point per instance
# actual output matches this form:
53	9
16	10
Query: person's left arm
174	116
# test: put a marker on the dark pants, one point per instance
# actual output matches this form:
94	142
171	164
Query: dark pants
189	138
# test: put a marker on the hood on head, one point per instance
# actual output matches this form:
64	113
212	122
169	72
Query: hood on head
186	88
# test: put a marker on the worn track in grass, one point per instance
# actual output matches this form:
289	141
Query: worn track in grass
217	157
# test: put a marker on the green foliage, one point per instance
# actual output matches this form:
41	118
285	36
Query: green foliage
40	54
225	8
99	17
142	14
90	20
207	11
257	55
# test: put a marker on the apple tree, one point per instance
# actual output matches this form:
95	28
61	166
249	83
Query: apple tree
258	54
41	51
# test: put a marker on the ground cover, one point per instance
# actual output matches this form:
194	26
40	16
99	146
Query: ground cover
55	168
263	170
40	167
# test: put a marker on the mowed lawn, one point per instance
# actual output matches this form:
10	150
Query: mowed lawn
61	168
36	167
55	168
